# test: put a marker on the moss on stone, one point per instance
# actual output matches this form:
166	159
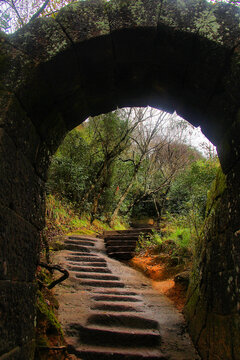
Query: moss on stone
46	312
215	192
57	246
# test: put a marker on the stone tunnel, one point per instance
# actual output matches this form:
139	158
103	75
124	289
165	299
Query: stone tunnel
91	58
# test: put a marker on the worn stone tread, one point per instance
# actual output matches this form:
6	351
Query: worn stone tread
111	353
80	237
130	237
87	264
96	276
121	255
76	247
113	307
86	259
102	283
109	297
79	242
121	242
84	254
120	249
117	336
89	269
123	320
115	292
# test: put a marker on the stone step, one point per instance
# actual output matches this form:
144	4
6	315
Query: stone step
102	283
86	258
93	264
73	247
115	292
109	297
89	269
120	242
113	307
133	237
79	242
120	248
96	276
128	231
99	335
84	254
87	352
82	238
123	320
121	255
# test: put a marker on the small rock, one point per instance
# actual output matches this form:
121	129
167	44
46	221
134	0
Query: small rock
182	278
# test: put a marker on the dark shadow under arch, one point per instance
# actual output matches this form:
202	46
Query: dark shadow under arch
171	55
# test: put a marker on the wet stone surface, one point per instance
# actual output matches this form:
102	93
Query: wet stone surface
112	312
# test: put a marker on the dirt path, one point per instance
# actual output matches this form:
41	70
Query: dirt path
111	311
162	277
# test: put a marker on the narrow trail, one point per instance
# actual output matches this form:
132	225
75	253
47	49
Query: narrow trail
110	311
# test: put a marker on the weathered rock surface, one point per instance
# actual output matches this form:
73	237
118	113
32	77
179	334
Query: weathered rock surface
112	312
121	244
92	58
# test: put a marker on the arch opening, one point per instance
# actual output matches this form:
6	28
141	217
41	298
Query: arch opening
57	72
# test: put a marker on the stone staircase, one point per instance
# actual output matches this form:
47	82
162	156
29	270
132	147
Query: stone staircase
105	311
117	326
121	244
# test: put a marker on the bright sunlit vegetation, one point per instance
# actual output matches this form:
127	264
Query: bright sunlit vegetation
133	163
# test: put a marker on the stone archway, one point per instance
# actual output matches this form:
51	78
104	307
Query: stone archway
91	58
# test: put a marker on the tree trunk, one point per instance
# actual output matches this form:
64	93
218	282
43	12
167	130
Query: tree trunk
157	210
124	195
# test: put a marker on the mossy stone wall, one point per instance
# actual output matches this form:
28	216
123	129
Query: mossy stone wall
91	58
213	305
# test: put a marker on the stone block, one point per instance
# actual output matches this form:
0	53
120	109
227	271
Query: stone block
229	147
63	77
84	20
29	193
20	246
23	189
7	168
97	71
133	29
15	66
129	14
43	160
18	126
51	128
94	50
223	338
17	308
216	22
41	39
22	74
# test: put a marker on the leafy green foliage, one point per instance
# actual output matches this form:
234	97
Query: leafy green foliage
189	190
16	13
68	173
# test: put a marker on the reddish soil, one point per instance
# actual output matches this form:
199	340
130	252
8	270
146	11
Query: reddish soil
162	276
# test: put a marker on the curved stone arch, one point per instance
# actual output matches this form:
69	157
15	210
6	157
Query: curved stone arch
92	58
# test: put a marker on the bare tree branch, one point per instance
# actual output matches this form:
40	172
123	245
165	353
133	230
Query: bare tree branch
42	8
12	4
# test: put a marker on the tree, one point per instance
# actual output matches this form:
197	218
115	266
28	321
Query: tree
111	135
142	139
17	13
124	161
69	171
157	154
189	190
